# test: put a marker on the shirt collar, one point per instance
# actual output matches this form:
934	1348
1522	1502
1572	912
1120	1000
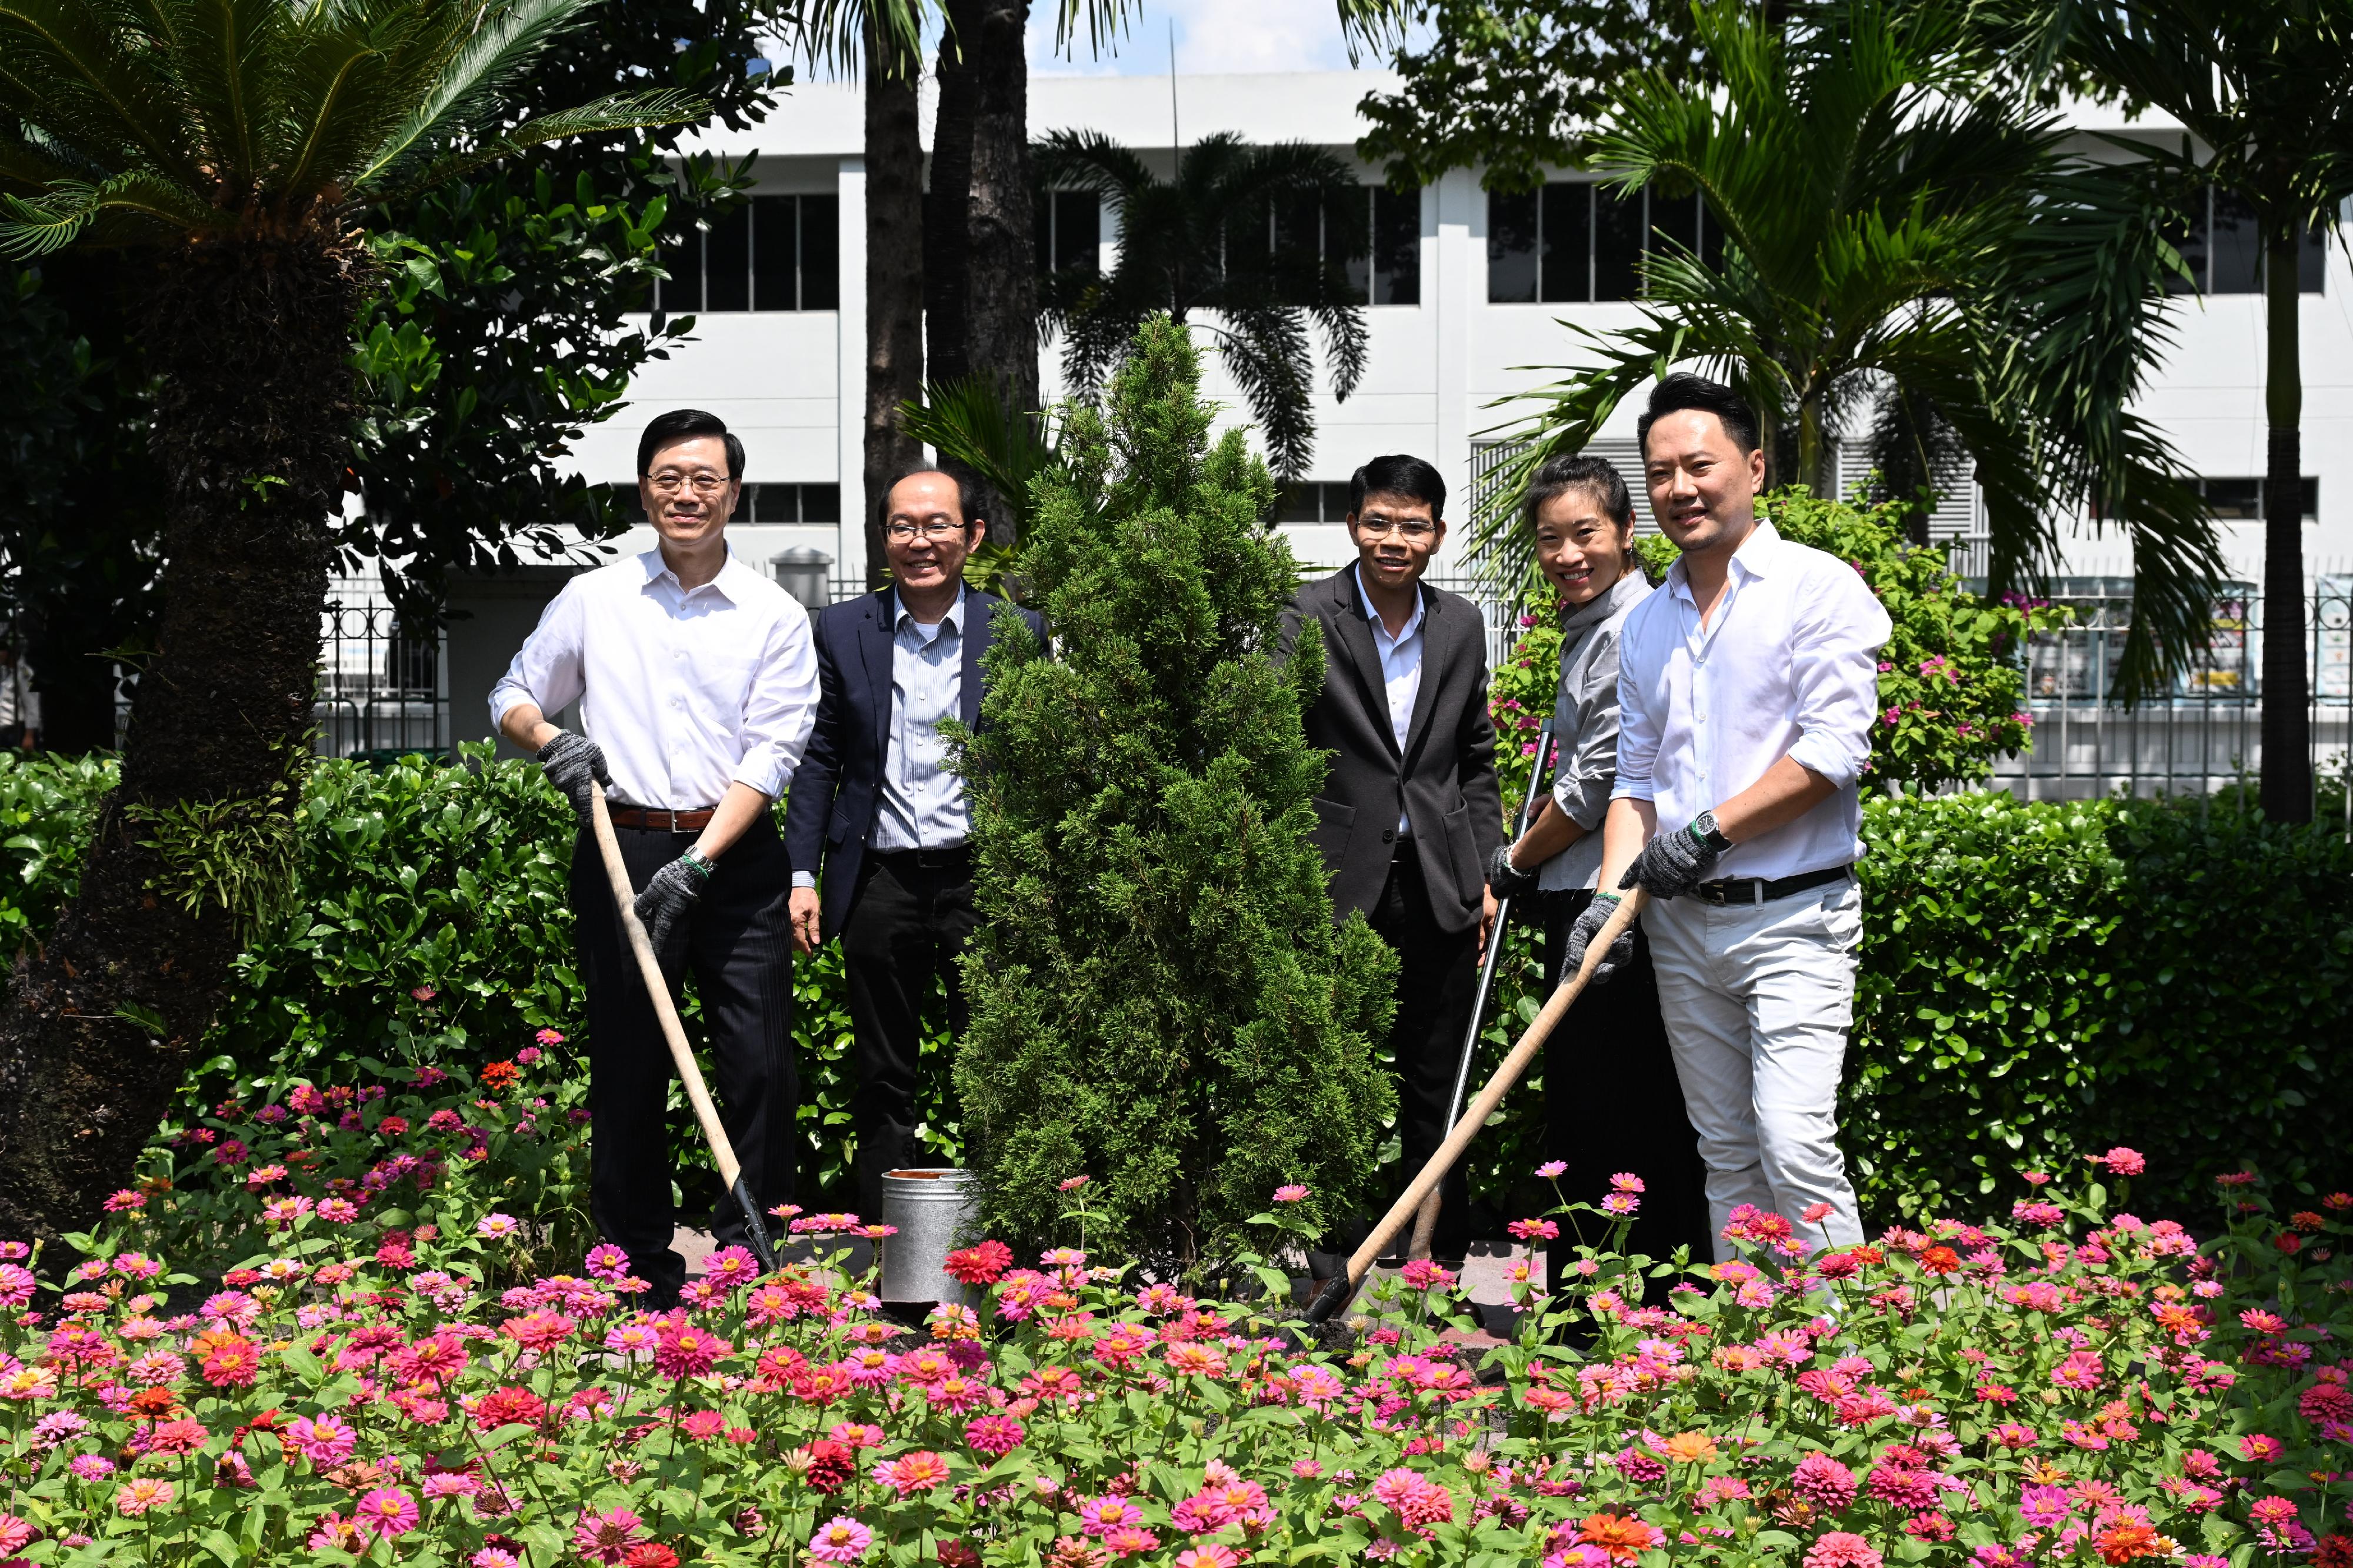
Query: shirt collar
1754	558
1633	586
1365	603
955	618
728	584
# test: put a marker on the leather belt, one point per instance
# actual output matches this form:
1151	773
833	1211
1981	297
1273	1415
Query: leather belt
656	821
953	855
1757	890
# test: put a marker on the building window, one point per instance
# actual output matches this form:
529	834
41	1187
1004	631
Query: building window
2241	500
2223	245
1576	241
770	253
786	503
1070	231
1380	260
1314	501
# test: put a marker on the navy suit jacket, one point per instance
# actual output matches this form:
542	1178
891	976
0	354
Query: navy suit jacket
837	793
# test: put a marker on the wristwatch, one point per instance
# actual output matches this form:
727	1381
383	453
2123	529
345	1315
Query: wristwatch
1703	828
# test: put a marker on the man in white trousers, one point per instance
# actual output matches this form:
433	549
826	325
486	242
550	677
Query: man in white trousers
1748	688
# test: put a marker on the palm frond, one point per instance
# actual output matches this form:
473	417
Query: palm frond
489	58
832	33
623	112
44	225
63	68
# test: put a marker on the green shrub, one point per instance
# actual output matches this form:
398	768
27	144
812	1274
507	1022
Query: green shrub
1160	1000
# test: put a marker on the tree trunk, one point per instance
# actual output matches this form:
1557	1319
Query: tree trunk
1001	317
947	243
252	342
2286	785
894	276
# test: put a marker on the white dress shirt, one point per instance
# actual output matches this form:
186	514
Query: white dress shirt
1400	669
1790	668
685	692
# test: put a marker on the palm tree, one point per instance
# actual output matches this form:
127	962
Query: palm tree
2261	84
1896	227
239	144
1207	241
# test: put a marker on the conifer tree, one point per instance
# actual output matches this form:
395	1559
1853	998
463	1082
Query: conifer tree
1161	1001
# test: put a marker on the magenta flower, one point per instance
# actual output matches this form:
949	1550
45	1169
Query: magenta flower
1290	1194
608	1537
840	1538
386	1512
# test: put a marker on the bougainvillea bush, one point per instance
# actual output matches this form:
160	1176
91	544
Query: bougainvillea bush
2074	1386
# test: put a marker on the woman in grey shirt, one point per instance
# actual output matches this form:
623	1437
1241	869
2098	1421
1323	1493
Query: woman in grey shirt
1611	1100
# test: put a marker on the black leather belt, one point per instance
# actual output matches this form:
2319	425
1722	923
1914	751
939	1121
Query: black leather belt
955	855
1757	890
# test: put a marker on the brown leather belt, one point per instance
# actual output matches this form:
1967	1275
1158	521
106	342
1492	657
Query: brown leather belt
660	821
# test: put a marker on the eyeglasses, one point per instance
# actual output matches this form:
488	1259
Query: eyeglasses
669	482
935	531
1413	529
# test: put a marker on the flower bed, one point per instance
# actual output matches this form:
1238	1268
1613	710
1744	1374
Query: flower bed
2074	1386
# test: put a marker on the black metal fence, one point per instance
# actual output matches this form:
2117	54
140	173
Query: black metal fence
381	692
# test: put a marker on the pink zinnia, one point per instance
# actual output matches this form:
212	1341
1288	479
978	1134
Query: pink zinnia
840	1538
1839	1549
323	1441
994	1435
1290	1194
1129	1540
916	1472
608	1537
1824	1482
686	1351
1098	1516
2121	1161
385	1513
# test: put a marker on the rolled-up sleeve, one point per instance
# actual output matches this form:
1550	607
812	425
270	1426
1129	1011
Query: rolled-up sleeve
1588	769
546	670
1834	667
782	707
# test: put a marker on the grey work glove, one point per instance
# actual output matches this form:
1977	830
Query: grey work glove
1587	926
664	904
1673	864
570	761
1506	880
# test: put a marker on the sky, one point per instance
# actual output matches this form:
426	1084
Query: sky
1210	36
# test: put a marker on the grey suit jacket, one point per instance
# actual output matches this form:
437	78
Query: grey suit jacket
1443	783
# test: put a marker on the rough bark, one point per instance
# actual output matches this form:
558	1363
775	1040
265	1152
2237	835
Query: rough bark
2286	781
947	238
894	276
252	340
1001	318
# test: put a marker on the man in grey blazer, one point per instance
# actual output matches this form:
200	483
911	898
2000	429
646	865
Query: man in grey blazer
1411	813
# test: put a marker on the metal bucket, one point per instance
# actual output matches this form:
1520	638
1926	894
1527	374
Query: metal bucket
930	1208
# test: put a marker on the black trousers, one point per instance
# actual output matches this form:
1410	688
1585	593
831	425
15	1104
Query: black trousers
909	921
1438	977
1613	1102
739	949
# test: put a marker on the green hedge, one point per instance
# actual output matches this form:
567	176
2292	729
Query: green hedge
2039	982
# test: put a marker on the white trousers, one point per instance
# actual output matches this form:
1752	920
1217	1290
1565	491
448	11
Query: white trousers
1758	999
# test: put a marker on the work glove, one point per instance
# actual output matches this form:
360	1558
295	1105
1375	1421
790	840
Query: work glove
1581	933
1673	864
1506	880
664	905
571	763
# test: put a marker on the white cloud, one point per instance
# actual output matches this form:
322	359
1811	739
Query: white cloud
1210	36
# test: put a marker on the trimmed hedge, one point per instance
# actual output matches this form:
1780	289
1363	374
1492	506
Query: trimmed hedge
2039	981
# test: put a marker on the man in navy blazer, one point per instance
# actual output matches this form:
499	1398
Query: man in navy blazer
875	807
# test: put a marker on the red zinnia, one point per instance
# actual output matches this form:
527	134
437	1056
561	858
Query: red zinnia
831	1465
1940	1260
981	1265
508	1406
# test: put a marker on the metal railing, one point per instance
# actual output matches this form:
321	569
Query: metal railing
381	693
2206	732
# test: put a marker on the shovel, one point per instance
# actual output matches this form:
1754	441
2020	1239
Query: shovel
1340	1291
1428	1220
681	1054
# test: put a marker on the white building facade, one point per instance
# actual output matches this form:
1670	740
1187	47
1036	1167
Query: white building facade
1469	315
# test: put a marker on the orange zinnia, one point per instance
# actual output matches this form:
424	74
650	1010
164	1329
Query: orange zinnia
1691	1449
1623	1537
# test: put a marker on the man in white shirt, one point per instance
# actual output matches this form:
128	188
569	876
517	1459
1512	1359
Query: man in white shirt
877	809
697	687
1748	688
